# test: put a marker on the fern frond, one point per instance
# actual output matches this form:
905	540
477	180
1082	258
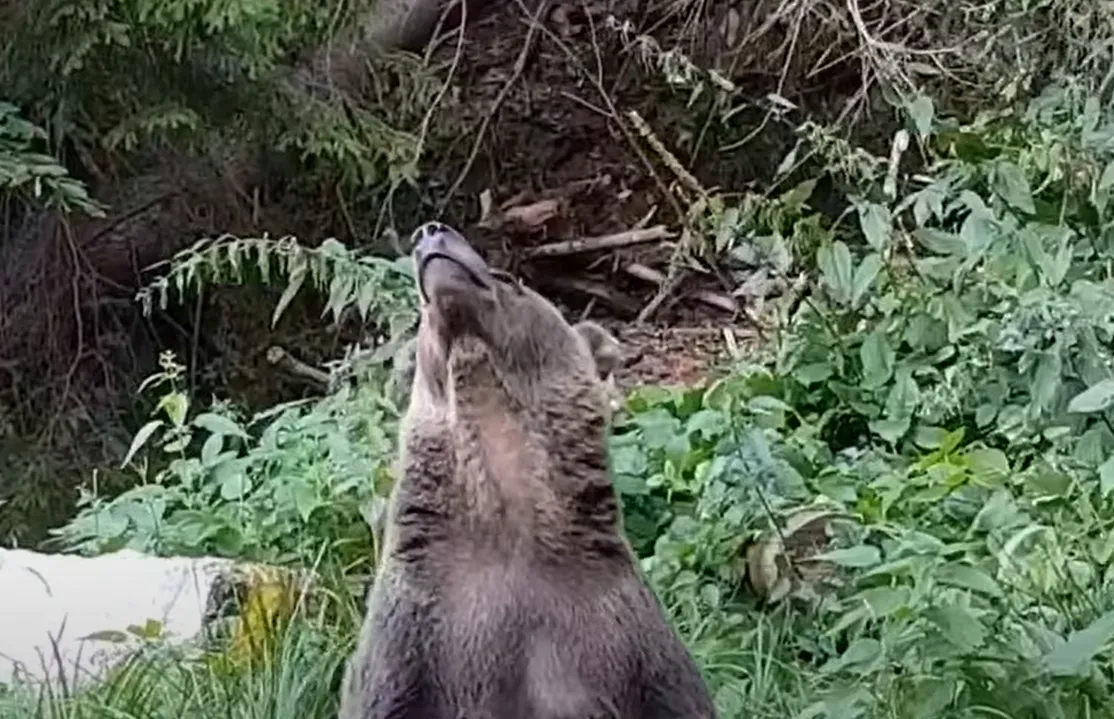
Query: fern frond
376	287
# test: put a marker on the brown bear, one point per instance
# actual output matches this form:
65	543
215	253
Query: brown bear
506	588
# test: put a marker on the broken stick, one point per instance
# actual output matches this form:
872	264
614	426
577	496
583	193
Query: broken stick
278	356
604	242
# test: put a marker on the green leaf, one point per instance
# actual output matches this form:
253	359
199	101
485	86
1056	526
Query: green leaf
965	576
1058	266
876	224
1097	398
1107	179
176	405
865	275
1046	380
305	499
958	625
940	242
985	414
1073	657
878	360
922	112
1013	187
863	555
1106	477
931	697
234	486
219	424
861	654
891	430
834	261
884	601
140	439
810	374
211	449
297	277
904	396
114	636
988	460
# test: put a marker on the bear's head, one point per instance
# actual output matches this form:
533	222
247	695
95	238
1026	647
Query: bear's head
483	329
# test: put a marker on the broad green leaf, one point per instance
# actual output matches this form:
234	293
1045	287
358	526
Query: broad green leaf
219	424
1073	657
876	224
1046	380
140	439
863	555
988	460
862	651
234	485
931	696
965	576
959	626
176	405
940	242
922	112
929	203
1058	266
812	373
211	449
1107	180
865	274
930	437
978	232
305	499
834	261
1013	187
883	601
985	414
891	430
952	440
1106	477
904	396
1097	398
878	360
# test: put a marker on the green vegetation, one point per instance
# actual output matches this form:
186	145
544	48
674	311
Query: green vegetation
942	399
901	505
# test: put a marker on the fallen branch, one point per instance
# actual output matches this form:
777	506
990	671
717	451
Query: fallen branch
284	360
665	290
713	299
604	242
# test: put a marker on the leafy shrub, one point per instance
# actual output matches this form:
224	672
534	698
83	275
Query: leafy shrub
291	485
949	386
295	484
33	175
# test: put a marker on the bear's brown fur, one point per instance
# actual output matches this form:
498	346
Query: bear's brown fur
507	589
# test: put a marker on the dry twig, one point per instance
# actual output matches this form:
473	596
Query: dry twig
712	299
604	242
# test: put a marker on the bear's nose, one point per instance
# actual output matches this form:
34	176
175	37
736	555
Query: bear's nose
428	230
441	252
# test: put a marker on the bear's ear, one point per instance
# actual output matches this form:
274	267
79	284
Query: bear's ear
605	349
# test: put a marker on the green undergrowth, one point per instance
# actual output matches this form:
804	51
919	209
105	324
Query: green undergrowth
901	508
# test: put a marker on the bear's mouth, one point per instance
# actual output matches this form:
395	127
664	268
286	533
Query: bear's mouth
446	262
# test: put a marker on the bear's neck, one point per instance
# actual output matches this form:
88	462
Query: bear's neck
542	474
